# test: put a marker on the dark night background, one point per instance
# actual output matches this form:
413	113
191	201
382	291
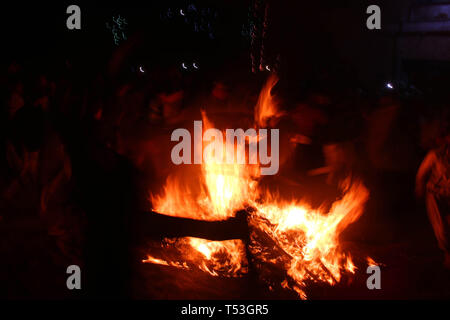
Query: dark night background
318	47
311	35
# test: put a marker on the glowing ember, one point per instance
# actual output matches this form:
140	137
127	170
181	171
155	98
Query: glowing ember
218	258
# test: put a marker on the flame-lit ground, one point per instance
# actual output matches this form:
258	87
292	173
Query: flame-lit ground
411	268
405	250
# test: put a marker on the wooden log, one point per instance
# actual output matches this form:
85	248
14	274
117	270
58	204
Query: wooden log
154	225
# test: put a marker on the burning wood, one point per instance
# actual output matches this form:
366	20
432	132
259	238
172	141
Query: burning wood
154	225
284	240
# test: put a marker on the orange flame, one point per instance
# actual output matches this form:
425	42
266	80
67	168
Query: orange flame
371	262
301	241
308	239
267	108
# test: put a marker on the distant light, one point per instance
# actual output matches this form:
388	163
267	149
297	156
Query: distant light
141	69
184	66
267	68
389	85
182	12
195	65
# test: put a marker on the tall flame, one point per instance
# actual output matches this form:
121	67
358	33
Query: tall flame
267	107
